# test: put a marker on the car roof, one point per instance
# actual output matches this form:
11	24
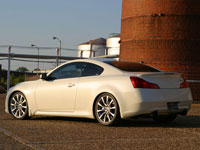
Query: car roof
108	69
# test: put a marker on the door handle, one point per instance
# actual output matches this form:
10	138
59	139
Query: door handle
71	85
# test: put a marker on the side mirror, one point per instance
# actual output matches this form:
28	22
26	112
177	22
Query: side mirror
43	76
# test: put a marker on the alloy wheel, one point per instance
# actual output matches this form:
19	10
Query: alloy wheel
18	106
106	109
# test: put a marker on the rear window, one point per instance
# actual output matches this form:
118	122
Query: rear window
132	66
92	70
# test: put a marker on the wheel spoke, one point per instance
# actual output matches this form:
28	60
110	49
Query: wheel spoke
111	114
14	100
110	102
105	118
100	110
101	115
100	105
22	112
13	104
13	109
107	98
21	98
17	112
23	101
103	101
112	107
24	106
17	97
108	117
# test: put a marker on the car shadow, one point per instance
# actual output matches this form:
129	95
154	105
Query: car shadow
63	119
180	122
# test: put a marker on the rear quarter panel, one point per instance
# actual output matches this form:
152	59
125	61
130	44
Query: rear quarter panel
90	87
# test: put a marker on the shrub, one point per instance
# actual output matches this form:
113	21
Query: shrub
13	81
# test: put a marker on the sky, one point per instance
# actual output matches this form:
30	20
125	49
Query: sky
26	22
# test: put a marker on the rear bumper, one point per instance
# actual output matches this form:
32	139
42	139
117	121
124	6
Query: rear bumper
145	101
162	108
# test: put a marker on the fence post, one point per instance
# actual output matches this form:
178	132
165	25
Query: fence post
57	58
91	47
8	71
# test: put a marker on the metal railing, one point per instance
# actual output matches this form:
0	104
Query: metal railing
12	56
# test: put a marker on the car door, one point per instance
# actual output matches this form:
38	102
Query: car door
58	92
88	83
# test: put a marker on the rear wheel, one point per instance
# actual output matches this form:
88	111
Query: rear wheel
18	106
106	109
165	118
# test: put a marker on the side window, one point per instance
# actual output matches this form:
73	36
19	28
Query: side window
92	70
71	70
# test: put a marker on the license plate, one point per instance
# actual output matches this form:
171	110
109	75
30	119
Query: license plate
172	106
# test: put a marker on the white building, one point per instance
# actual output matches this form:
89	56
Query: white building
100	47
113	44
92	48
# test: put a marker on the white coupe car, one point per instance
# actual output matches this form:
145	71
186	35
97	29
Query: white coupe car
106	91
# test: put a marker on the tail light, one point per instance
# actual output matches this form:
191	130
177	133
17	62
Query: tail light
140	83
184	84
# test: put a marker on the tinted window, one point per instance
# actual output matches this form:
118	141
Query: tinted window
133	66
92	70
71	70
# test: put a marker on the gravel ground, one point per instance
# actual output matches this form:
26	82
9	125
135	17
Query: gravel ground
75	133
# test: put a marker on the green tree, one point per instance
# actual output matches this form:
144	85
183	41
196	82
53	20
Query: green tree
16	79
19	79
2	81
22	69
36	69
12	78
13	81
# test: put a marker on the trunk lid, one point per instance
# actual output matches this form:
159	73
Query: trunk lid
162	79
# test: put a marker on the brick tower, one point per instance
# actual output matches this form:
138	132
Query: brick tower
164	34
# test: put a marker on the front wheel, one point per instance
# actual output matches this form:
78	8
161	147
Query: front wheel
18	106
106	109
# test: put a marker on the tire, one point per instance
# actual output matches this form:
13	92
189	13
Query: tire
18	106
164	118
107	110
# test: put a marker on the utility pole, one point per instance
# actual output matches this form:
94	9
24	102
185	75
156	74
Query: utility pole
8	71
60	43
38	66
